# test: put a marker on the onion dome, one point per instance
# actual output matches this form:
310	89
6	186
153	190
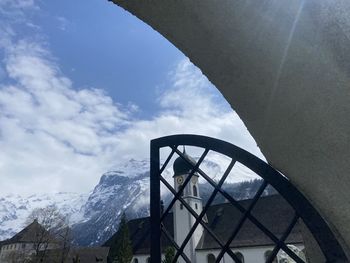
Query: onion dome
181	166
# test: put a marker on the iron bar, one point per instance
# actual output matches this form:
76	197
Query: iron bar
242	220
184	183
281	242
172	241
155	206
194	214
201	215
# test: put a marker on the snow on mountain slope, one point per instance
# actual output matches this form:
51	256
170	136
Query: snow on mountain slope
126	189
117	192
14	209
95	217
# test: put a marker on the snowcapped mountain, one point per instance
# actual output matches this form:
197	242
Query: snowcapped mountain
124	189
14	209
118	191
94	217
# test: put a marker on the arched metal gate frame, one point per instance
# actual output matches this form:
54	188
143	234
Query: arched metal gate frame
303	209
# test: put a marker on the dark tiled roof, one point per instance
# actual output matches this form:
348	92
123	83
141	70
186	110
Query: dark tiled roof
28	234
85	255
272	211
139	230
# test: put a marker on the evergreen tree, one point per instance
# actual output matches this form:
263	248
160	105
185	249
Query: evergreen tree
123	253
169	255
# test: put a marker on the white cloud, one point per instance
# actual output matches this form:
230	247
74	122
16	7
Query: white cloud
19	4
189	106
57	137
62	22
50	134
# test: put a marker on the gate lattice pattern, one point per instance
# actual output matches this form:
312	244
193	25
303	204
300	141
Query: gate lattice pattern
270	177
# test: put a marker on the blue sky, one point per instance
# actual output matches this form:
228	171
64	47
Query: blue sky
84	86
98	44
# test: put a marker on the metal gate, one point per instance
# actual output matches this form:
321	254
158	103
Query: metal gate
270	177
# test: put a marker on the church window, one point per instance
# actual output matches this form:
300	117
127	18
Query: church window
211	258
267	255
196	206
136	260
181	206
240	256
195	191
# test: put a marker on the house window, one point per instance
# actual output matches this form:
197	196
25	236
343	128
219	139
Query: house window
23	246
136	260
240	256
181	206
195	191
211	258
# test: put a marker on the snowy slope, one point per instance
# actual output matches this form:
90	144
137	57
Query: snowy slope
94	217
14	209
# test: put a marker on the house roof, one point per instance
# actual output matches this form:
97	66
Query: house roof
27	235
272	211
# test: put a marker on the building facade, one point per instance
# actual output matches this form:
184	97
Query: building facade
26	243
34	240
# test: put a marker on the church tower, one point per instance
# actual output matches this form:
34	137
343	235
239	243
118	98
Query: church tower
183	219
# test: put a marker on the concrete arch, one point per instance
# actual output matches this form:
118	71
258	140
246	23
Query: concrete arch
285	68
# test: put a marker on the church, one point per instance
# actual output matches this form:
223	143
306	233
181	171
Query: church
250	244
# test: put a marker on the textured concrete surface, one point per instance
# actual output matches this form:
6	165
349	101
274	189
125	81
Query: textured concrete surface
284	66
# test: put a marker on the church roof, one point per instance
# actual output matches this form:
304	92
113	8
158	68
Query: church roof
139	230
272	211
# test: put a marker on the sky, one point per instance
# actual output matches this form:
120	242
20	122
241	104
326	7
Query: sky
84	87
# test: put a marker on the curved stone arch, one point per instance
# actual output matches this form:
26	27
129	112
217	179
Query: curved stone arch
285	68
320	230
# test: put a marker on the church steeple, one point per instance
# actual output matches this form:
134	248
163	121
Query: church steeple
183	219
